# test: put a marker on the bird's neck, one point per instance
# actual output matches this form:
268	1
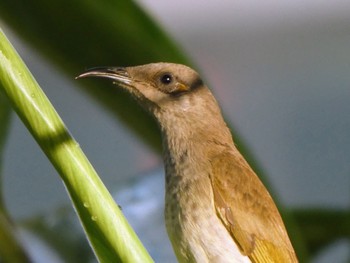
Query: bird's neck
194	138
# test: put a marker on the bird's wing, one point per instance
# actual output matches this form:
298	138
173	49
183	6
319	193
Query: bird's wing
248	212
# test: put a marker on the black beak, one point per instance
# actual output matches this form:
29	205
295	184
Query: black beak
118	74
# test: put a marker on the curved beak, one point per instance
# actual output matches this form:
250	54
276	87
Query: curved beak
118	74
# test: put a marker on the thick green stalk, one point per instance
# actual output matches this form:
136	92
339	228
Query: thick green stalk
110	235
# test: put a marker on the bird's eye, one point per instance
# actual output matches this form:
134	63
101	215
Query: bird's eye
166	78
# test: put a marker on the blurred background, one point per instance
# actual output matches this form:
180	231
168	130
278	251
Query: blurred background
279	69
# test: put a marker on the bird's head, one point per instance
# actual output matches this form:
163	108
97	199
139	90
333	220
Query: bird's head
175	95
159	87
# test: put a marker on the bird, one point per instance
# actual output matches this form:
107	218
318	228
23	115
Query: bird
216	207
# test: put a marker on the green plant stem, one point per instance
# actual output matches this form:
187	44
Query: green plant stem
110	235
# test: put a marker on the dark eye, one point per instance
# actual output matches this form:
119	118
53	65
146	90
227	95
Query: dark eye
166	78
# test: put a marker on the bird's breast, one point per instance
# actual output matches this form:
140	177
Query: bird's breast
194	229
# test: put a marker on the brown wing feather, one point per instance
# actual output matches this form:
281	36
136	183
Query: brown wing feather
248	211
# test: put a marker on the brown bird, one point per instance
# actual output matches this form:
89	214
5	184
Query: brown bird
216	209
